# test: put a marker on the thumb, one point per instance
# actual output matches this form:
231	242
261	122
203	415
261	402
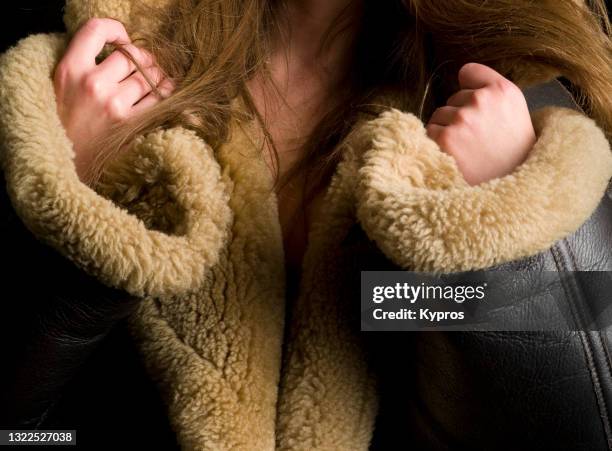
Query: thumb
477	76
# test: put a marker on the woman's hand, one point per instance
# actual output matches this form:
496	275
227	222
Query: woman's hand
91	97
485	126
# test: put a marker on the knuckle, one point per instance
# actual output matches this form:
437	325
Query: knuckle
166	87
63	73
93	86
145	58
506	87
115	22
123	56
93	25
467	68
445	139
158	76
136	57
480	97
115	109
463	117
143	84
98	25
435	114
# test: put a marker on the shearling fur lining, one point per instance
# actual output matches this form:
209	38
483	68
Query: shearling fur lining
102	238
325	372
134	19
413	202
215	353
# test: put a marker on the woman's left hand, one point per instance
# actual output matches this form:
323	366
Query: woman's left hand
486	126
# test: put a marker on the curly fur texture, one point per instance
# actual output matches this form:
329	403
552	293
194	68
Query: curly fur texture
195	232
99	236
78	11
415	204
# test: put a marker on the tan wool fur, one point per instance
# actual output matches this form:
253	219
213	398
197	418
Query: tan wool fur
194	231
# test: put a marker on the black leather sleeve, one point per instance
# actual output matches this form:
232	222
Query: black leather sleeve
508	390
53	317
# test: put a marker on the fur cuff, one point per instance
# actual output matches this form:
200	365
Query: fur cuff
414	203
171	170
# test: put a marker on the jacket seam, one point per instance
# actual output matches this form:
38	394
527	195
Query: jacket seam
586	343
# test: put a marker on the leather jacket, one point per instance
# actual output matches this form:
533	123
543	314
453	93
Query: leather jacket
70	364
508	390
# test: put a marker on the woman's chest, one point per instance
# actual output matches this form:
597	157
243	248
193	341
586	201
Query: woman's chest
297	212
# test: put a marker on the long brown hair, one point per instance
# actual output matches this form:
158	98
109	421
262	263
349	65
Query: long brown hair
407	51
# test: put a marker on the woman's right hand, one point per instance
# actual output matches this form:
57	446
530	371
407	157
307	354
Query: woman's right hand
92	98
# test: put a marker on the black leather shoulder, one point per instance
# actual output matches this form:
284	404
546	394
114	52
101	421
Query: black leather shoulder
54	317
507	390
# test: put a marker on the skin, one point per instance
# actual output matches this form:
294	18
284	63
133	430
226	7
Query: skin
92	98
485	126
304	79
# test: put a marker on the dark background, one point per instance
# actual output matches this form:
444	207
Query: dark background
23	17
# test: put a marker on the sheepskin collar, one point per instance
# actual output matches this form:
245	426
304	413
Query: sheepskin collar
195	232
449	193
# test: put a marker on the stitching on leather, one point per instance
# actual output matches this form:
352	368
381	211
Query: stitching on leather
570	295
572	255
570	251
588	340
587	345
604	344
566	249
603	408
